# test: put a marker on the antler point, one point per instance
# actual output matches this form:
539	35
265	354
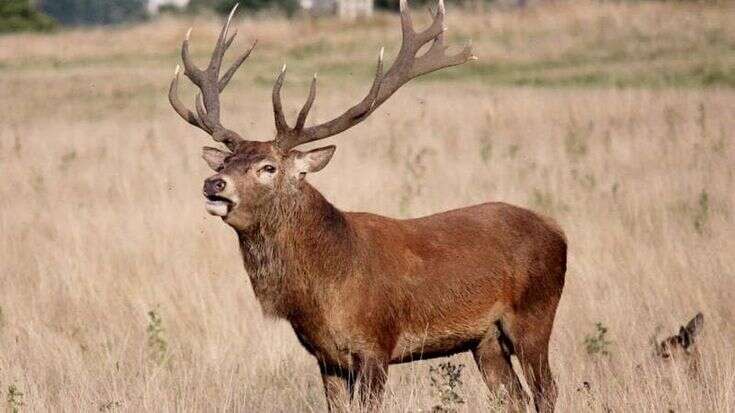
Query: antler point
229	18
283	69
188	33
177	70
382	51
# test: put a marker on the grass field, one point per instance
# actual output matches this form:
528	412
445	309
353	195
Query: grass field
119	293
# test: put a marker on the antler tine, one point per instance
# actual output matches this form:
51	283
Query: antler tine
406	23
436	58
406	67
173	98
435	29
207	102
222	44
190	70
201	112
282	128
284	133
301	119
235	65
355	114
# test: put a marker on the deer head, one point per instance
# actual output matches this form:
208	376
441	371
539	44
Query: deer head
681	345
252	175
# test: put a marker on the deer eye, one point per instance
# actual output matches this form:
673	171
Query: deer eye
269	169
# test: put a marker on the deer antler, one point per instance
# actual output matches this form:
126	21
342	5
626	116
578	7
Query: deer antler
406	67
210	85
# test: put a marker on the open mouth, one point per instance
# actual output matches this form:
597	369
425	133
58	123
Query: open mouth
218	205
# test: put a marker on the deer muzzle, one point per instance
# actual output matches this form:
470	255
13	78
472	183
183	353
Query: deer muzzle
217	203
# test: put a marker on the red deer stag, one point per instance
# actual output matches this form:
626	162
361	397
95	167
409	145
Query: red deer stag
364	291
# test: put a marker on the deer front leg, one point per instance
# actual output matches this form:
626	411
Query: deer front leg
338	387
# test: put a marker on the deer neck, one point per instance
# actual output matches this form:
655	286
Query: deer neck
298	248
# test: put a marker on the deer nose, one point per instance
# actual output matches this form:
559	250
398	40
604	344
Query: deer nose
213	186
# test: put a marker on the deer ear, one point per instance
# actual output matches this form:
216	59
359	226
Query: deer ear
313	161
684	338
695	325
214	157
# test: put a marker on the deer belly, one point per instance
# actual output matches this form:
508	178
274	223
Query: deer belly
444	336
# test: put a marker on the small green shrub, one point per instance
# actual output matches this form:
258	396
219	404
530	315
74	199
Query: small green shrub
542	200
598	343
575	141
586	180
68	159
701	213
157	344
14	398
110	406
545	202
446	381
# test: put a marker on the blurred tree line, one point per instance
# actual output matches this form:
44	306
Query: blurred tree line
42	15
224	6
83	12
18	15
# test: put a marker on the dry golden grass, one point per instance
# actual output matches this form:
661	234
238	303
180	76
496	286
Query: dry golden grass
102	219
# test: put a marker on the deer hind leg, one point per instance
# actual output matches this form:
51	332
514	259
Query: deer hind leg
535	364
493	358
531	334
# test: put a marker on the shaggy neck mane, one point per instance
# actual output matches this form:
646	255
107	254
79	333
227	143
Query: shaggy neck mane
300	242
